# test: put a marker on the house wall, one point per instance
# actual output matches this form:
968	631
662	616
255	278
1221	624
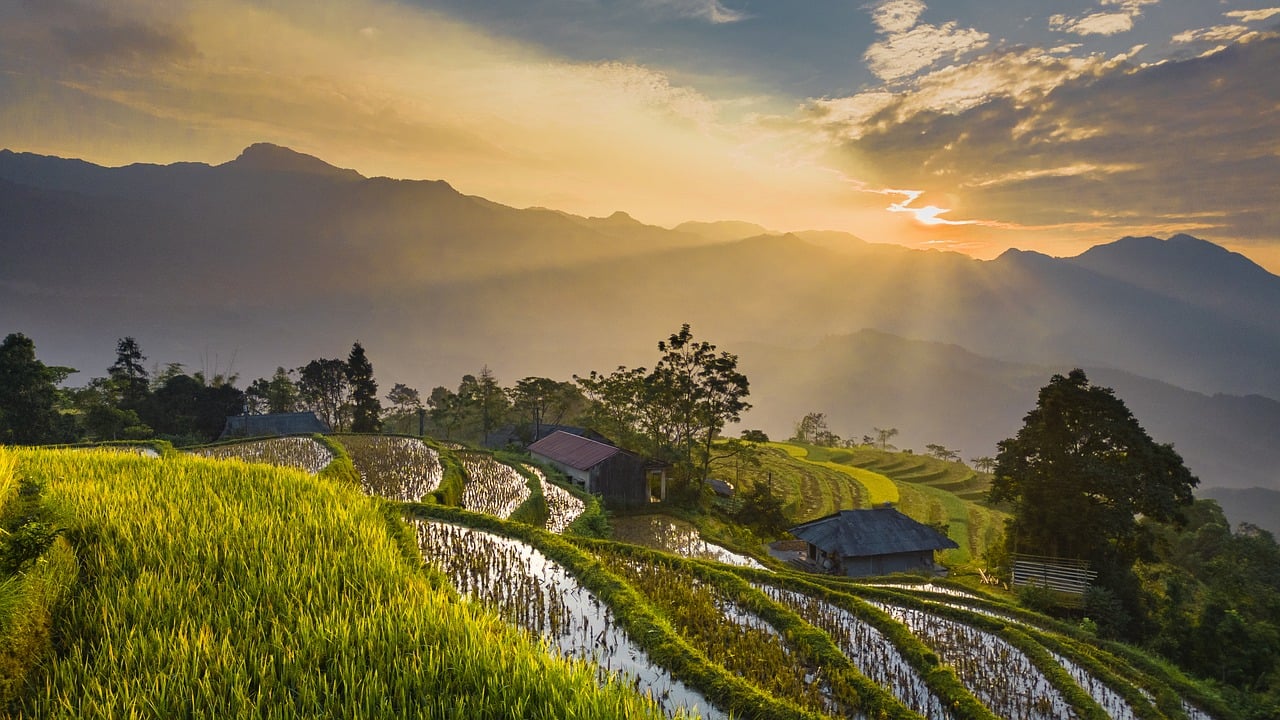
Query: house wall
885	564
620	480
581	477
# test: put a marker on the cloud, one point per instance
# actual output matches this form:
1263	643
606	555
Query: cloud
1104	22
713	11
910	47
1253	15
897	16
88	33
1187	144
1217	35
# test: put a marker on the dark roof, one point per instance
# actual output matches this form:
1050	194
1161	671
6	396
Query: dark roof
720	487
577	452
512	434
878	531
299	423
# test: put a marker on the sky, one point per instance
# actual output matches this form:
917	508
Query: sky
972	126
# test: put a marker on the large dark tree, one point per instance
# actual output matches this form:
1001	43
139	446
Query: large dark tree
28	393
1079	474
366	410
323	388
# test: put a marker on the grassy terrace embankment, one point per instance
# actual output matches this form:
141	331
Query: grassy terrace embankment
816	482
223	589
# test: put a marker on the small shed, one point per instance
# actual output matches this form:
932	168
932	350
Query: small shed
618	476
877	541
273	424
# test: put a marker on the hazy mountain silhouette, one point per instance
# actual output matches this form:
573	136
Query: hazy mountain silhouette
279	258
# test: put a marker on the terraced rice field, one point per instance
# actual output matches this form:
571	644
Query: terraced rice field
493	488
540	596
562	507
394	467
302	453
879	488
676	536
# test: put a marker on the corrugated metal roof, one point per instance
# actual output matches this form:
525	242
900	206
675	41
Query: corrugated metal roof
877	531
298	423
577	452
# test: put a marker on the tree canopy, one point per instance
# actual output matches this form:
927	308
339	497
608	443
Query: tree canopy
28	391
1081	471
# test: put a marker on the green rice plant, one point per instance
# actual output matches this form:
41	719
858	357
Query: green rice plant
304	453
234	590
393	466
29	596
493	488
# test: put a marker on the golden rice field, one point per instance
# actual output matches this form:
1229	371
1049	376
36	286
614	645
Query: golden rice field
223	589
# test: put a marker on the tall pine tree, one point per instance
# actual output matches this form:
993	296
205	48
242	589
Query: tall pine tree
366	410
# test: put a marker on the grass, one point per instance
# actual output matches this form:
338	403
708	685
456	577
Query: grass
223	589
880	489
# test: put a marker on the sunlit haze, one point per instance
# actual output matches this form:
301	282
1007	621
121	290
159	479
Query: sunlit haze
973	127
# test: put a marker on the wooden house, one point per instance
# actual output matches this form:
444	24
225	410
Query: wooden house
272	424
877	541
619	477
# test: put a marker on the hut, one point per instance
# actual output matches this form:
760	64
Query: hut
619	477
877	541
273	424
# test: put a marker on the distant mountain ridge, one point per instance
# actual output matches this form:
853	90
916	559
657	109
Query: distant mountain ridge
280	258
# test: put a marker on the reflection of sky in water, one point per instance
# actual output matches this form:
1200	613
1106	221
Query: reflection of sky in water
997	673
869	650
541	596
677	537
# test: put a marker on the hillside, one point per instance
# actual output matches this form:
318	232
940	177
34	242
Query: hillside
265	259
212	589
203	577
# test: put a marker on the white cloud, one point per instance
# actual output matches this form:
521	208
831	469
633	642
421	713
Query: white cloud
910	47
1253	15
1095	24
1216	34
1102	23
897	16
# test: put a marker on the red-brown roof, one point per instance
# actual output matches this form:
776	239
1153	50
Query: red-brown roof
572	450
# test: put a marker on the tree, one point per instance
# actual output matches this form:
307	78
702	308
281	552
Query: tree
28	396
705	390
366	410
129	374
543	401
754	436
676	411
1079	473
484	399
323	387
883	436
811	428
942	452
985	464
405	404
447	412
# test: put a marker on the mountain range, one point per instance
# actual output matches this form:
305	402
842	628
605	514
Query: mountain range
276	258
